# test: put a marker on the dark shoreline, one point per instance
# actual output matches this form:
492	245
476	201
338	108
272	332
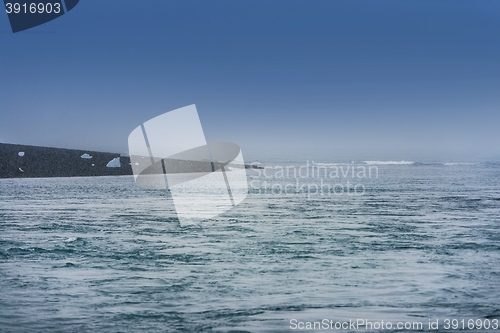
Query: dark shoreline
43	162
48	162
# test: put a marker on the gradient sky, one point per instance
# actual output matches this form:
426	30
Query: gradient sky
374	79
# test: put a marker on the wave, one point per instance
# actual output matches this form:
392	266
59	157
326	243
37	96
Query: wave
331	164
458	163
389	162
354	163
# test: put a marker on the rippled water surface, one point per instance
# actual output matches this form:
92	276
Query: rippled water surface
101	255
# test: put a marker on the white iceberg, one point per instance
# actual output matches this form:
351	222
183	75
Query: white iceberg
85	156
114	163
21	153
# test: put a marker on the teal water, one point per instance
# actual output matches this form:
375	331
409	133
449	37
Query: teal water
100	255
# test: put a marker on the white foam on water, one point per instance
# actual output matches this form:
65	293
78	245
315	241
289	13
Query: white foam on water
458	163
389	162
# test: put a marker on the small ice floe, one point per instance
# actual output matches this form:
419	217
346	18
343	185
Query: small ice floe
21	170
136	163
21	154
93	164
114	163
85	156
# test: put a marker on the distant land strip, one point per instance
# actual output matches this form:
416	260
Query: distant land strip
22	161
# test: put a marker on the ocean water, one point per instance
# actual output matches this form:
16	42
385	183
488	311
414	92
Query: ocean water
415	242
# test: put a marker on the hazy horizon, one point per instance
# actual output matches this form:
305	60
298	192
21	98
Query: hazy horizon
376	80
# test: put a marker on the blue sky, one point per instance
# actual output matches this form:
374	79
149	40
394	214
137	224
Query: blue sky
323	79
